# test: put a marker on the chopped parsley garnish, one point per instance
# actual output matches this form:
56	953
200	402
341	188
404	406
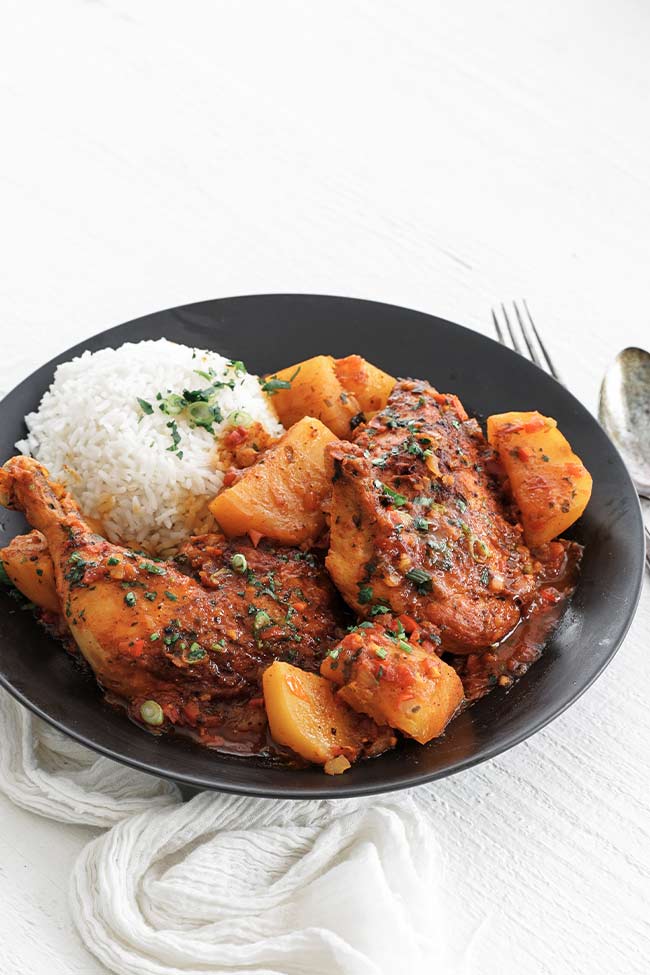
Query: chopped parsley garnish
365	594
379	610
150	596
273	384
421	524
176	437
130	599
395	497
154	637
146	407
154	570
421	578
113	561
196	653
171	596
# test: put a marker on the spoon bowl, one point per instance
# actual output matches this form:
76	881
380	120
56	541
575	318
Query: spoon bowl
624	412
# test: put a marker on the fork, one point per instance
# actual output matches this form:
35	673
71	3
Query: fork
537	351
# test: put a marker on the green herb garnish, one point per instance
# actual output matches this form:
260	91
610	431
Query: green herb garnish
146	407
421	578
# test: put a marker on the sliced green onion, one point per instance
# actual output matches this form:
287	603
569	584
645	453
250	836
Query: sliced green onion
262	619
172	404
238	563
239	418
201	413
152	713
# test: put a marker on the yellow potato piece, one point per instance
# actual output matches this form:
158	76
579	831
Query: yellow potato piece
281	496
366	382
27	562
549	483
395	681
305	715
316	391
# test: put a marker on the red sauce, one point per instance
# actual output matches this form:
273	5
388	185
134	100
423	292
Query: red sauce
508	660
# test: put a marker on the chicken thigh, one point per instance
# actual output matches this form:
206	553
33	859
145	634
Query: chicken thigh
176	649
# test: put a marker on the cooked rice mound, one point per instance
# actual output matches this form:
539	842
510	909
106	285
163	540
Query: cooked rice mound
93	434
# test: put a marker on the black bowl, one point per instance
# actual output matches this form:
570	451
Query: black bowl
268	332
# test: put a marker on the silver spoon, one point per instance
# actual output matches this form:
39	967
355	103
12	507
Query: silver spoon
624	411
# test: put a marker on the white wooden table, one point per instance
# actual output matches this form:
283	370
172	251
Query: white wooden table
443	156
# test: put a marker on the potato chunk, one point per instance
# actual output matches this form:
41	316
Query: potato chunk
305	715
27	562
396	679
314	390
366	382
550	484
281	496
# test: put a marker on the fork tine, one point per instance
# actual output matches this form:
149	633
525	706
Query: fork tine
498	328
553	371
524	331
515	341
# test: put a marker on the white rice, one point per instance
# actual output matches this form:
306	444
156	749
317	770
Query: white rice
92	434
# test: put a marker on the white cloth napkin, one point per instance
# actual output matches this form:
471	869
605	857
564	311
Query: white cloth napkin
224	884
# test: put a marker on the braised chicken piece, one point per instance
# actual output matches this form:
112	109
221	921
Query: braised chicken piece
176	650
418	523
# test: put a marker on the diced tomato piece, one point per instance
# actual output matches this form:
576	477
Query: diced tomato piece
236	437
409	624
136	649
353	641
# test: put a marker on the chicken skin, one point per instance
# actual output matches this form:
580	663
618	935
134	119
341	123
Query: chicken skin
418	524
176	649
